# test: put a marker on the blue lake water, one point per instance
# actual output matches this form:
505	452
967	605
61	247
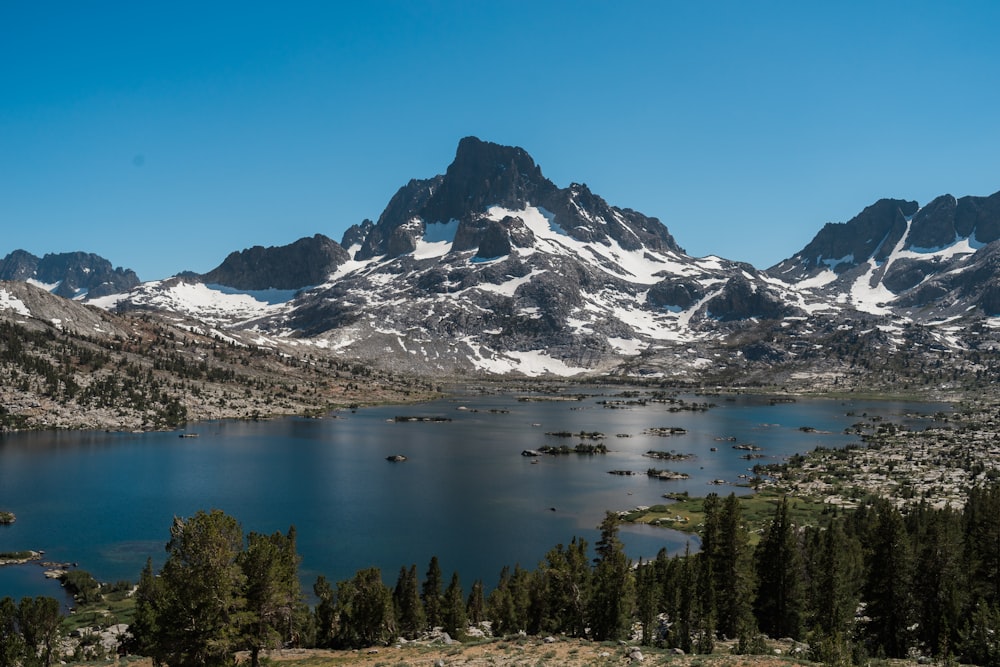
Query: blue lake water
465	494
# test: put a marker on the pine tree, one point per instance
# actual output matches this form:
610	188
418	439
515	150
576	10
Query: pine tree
475	606
836	575
686	621
520	594
500	605
364	610
270	565
567	585
709	559
202	591
38	619
431	594
12	646
539	612
888	589
982	544
939	585
453	616
613	592
647	592
780	599
145	626
325	613
733	573
410	618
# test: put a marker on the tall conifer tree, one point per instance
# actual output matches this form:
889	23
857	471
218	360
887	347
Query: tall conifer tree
613	593
410	618
780	598
431	594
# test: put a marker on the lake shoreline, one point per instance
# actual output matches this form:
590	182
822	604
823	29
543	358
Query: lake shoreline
330	477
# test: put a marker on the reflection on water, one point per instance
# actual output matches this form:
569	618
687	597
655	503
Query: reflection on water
465	493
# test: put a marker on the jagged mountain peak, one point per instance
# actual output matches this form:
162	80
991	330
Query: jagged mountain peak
485	176
897	257
306	262
71	275
490	267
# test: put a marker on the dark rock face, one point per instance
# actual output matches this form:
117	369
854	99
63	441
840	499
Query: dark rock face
934	224
740	300
979	218
485	174
592	219
75	272
404	206
872	234
18	265
906	274
943	263
674	293
495	240
304	263
356	234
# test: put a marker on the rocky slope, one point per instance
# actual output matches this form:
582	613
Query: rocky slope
72	275
490	268
304	263
896	258
68	365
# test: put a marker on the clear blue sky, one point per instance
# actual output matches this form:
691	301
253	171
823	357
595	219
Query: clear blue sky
165	135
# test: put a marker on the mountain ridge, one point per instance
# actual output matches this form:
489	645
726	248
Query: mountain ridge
490	268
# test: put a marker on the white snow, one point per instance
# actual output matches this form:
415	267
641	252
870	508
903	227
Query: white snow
437	232
201	301
629	347
960	246
48	287
870	299
10	302
819	280
507	288
108	302
834	263
269	296
532	363
426	250
638	266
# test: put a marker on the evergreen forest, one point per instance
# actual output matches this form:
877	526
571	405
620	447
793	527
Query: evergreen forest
869	583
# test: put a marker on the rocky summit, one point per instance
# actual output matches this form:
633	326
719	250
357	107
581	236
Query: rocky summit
491	268
74	275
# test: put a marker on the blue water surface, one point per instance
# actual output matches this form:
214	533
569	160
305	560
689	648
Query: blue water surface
106	500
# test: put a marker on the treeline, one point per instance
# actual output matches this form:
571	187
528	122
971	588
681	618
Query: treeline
28	631
865	584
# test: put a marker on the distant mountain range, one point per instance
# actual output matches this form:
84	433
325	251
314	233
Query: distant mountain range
491	268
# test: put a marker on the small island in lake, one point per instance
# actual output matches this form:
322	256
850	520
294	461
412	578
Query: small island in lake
667	456
19	557
582	448
7	518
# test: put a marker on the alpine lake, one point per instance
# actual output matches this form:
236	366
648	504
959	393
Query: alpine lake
465	492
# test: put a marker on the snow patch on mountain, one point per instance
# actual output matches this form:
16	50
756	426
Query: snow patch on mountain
870	298
532	363
640	266
212	305
10	302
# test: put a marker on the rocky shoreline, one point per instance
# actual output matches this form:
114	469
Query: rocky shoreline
20	557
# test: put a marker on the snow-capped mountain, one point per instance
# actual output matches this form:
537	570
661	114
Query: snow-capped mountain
898	258
492	268
73	275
